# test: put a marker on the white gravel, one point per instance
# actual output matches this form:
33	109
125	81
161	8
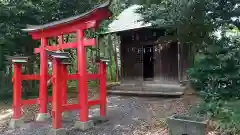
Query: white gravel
126	116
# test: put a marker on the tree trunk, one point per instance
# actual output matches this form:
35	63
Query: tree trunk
28	69
1	67
110	55
116	60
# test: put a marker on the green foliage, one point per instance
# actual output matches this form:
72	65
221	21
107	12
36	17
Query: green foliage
111	67
217	74
15	15
225	113
193	20
229	118
116	7
5	94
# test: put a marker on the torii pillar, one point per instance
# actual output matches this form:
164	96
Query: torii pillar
43	114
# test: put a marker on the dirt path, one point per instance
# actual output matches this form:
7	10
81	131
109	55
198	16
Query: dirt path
126	116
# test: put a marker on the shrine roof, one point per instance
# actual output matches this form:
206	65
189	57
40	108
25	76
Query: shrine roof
32	28
128	19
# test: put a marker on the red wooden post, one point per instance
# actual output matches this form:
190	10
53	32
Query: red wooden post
103	95
56	102
64	74
17	91
60	41
82	80
43	77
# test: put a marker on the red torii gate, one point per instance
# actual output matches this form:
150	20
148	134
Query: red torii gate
76	24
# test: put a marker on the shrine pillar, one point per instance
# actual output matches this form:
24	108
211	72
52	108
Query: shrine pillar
64	74
57	98
103	87
17	120
43	92
83	123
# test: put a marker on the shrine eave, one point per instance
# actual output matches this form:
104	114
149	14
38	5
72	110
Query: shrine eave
35	28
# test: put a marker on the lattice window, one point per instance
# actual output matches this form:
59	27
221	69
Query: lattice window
139	56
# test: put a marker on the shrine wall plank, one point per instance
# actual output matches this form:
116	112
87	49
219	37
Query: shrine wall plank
166	68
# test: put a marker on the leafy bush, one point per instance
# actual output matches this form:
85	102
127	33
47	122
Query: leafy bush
217	74
5	94
229	118
226	114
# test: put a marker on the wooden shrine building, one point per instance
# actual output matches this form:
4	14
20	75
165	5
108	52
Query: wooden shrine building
152	62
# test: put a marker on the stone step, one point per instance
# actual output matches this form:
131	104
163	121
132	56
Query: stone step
146	93
150	89
154	87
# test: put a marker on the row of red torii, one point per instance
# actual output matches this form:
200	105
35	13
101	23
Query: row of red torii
60	75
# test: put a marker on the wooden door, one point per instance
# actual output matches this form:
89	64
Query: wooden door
166	63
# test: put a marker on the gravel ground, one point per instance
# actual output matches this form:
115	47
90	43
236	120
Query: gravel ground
126	116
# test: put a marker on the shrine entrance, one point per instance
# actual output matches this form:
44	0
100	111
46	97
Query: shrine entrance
148	62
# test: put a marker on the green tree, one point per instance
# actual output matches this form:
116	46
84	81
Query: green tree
16	14
193	20
216	76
